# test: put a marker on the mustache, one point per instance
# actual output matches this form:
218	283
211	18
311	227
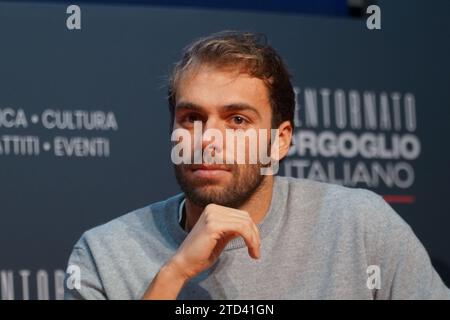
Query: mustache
209	166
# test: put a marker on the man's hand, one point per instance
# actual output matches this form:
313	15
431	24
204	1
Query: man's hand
216	226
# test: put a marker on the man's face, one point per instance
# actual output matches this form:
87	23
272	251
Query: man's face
221	100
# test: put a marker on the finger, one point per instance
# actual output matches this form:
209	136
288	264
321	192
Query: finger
243	220
246	219
258	236
248	234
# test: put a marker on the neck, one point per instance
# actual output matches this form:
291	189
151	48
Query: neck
257	205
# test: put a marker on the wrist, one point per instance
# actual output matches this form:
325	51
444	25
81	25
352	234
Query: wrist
166	285
175	270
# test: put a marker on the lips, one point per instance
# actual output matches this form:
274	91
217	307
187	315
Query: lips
209	167
209	171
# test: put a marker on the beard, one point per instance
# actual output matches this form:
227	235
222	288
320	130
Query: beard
242	182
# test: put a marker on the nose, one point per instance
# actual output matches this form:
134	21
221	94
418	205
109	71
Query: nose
212	135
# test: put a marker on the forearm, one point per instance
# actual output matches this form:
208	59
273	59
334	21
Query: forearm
166	285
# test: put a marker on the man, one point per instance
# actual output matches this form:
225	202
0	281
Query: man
235	233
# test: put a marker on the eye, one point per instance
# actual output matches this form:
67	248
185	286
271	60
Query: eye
239	120
192	117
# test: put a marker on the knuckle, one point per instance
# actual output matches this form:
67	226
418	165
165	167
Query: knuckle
244	213
210	226
210	208
243	229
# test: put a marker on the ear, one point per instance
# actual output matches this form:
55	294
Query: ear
285	132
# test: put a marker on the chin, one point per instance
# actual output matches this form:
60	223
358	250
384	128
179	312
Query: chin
209	188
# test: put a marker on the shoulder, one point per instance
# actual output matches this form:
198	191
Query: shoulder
351	217
340	204
137	224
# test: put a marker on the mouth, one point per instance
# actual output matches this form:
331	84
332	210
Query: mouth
210	171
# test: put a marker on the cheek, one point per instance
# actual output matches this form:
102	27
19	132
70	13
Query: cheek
245	150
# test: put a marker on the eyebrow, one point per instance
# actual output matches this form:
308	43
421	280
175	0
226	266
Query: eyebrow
188	106
225	108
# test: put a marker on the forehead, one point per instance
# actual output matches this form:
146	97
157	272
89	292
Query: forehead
208	86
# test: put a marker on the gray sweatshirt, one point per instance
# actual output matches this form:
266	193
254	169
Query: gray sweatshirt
318	241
